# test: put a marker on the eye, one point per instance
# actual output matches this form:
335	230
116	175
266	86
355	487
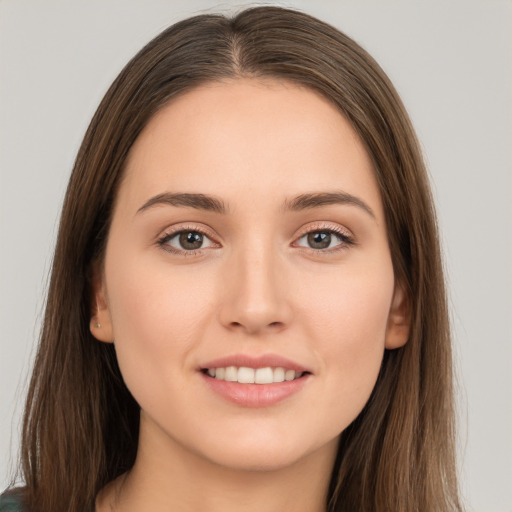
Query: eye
322	239
185	241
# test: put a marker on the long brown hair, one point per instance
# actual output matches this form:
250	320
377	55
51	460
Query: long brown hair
81	425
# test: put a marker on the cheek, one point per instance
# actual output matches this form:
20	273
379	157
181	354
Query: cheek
157	320
349	325
149	299
349	309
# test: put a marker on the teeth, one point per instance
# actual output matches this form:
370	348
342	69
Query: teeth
264	376
279	374
231	374
246	375
289	375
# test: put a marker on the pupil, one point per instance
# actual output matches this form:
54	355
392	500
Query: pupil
319	240
191	240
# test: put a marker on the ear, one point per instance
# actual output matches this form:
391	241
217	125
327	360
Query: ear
399	319
101	321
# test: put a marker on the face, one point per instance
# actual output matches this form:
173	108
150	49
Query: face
248	242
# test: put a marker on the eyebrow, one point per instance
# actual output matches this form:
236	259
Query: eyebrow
302	202
318	199
197	201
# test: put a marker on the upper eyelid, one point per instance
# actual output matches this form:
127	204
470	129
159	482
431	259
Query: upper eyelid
343	233
170	232
163	239
344	238
322	225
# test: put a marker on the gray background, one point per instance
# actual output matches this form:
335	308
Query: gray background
452	63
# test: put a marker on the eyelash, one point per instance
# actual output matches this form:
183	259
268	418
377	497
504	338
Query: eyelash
163	241
345	239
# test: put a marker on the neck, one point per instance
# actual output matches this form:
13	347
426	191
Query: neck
168	477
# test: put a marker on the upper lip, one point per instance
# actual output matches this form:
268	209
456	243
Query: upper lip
263	361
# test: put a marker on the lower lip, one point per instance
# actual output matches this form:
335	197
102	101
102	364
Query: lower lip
255	395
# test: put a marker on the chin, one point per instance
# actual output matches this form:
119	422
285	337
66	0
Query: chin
260	460
275	454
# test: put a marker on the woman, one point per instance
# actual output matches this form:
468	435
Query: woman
246	307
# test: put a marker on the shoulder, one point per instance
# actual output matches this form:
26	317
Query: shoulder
11	501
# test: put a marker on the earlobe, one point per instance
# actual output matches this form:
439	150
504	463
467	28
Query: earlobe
399	319
101	322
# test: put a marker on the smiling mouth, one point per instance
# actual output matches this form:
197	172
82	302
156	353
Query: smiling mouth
245	375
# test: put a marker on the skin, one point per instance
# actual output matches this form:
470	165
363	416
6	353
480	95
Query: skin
256	287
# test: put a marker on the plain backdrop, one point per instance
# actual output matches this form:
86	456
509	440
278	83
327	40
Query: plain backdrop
452	63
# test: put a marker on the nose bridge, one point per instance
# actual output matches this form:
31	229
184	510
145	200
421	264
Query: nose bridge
255	297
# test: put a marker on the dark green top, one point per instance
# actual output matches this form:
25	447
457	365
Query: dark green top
10	503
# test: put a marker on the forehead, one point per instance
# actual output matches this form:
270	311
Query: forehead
245	138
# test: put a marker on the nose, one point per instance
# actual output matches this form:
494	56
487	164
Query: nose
255	298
